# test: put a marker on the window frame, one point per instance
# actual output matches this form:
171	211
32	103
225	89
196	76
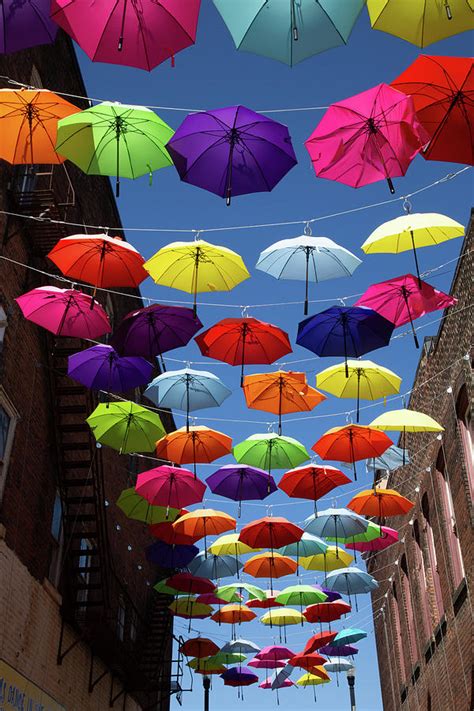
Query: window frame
57	545
14	416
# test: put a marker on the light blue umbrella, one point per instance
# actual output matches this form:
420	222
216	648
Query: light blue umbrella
337	664
306	546
348	636
240	646
307	258
289	30
335	524
187	390
279	676
350	581
393	458
214	566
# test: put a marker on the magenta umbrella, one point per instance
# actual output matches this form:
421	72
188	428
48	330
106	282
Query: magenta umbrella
389	537
64	312
368	137
136	34
403	299
170	486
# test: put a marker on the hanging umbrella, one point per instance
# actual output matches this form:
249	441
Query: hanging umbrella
170	486
29	122
308	259
331	595
345	650
196	267
372	532
280	393
333	559
314	678
215	567
317	641
227	592
349	331
269	684
64	312
135	35
189	609
380	503
239	676
194	445
170	556
232	151
219	669
268	601
289	31
393	458
116	140
240	341
212	599
421	23
405	421
368	137
101	368
338	665
350	581
270	532
366	381
337	523
233	614
136	507
205	522
312	482
229	544
154	330
162	588
275	652
282	617
188	390
190	584
348	636
307	545
240	482
164	531
300	595
267	663
25	25
199	647
125	426
351	443
242	646
442	90
270	451
307	661
388	537
270	565
326	611
216	660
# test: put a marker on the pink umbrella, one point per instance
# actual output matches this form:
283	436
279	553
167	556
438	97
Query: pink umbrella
267	684
275	651
405	298
64	312
388	538
369	137
170	486
136	34
266	663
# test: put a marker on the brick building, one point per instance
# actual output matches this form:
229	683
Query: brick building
423	607
81	627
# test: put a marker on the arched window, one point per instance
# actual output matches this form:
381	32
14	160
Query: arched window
457	564
432	557
410	618
421	576
397	633
464	421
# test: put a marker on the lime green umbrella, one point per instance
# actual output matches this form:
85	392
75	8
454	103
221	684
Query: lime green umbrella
164	589
227	592
216	660
271	451
301	595
136	507
126	427
372	532
115	139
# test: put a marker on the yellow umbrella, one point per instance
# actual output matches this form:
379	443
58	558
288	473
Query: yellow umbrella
229	544
366	381
421	22
312	679
405	421
197	267
333	559
281	617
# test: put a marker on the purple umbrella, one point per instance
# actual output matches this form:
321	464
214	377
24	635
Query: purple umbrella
240	482
101	368
239	676
25	24
332	595
346	650
232	151
170	556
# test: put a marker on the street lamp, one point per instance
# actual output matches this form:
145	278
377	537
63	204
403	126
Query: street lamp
206	682
351	682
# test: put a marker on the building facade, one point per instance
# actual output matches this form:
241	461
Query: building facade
81	626
423	606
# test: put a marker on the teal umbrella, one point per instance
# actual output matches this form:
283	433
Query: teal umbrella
289	30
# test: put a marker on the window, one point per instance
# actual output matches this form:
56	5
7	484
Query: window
57	542
121	619
455	554
463	414
432	557
8	420
421	576
133	625
3	325
5	420
85	562
399	642
410	618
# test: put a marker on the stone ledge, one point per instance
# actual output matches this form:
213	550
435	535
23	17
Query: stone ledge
49	588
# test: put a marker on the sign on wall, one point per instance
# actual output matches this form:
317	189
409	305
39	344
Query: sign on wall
17	693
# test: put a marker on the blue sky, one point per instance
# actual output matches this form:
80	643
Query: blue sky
210	75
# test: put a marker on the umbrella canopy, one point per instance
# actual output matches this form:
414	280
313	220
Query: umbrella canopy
280	393
227	592
348	636
116	140
404	421
350	581
190	584
282	616
288	31
170	486
239	676
345	650
205	522
199	647
368	137
214	567
380	503
240	482
268	601
317	676
164	531
189	608
308	259
193	445
218	658
338	665
267	663
420	22
317	641
333	559
442	90
207	671
270	532
307	661
64	312
307	545
300	595
29	120
135	35
246	340
101	368
326	611
270	451
137	508
170	556
26	25
388	537
233	614
232	151
337	523
154	330
312	482
270	565
229	544
393	458
371	532
269	684
196	267
277	652
126	427
351	443
242	646
213	599
366	381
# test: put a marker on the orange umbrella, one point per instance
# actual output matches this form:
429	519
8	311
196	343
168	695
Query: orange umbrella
352	443
220	669
233	614
203	523
270	532
380	503
199	647
28	125
198	444
280	393
270	565
165	532
307	661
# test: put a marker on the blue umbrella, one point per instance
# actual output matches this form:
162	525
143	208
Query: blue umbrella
350	581
279	676
337	664
101	368
170	556
187	390
345	650
307	545
393	458
349	331
335	523
348	636
307	258
214	566
240	646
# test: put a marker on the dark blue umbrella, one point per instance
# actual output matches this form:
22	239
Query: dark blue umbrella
241	482
170	556
346	650
349	331
101	368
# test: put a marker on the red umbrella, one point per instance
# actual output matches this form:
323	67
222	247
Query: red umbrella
312	482
185	582
166	532
318	640
238	341
170	486
199	647
326	611
267	602
270	532
307	661
351	443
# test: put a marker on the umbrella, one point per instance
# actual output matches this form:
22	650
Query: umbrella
29	122
348	331
351	443
101	368
190	584
238	341
196	267
442	90
268	601
125	426
371	532
227	592
212	599
405	421
136	507
242	646
207	671
267	663
196	444
64	312
170	556
270	532
345	650
215	660
393	458
306	546
269	684
270	565
368	137
270	451
313	678
380	503
405	298
164	531
337	523
239	676
199	647
421	23
280	393
366	381
233	614
25	25
337	664
333	559
140	35
187	390
229	544
300	595
348	636
155	330
170	486
215	567
189	608
232	151
116	140
162	588
205	522
307	661
275	652
326	611
350	581
388	537
282	617
317	641
289	31
240	482
312	482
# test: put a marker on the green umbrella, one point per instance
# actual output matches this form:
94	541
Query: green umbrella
164	589
126	427
216	660
136	507
227	592
300	595
270	450
115	139
373	531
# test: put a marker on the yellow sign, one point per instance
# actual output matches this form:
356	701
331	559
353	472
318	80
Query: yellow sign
17	693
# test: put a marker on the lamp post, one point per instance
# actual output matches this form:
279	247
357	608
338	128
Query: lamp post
351	682
206	682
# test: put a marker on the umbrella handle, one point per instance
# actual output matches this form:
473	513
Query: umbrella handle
390	186
122	27
448	10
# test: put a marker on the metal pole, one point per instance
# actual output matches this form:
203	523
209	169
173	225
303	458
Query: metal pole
206	682
351	682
